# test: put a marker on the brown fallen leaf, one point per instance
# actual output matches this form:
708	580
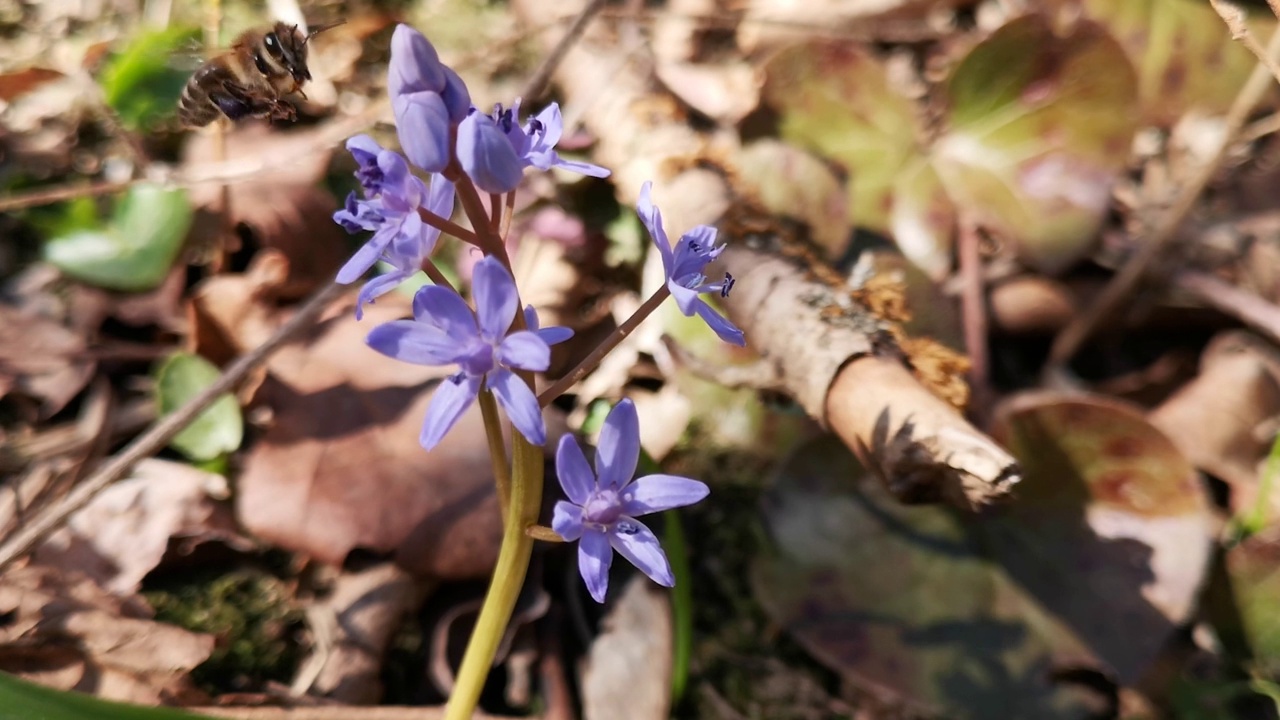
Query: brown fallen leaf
64	631
340	467
627	673
161	306
41	358
123	533
1216	419
283	206
353	628
23	81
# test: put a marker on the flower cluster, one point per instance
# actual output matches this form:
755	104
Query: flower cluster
459	148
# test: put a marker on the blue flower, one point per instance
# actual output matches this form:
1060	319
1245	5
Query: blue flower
495	149
427	97
445	331
400	236
684	267
369	171
603	505
486	154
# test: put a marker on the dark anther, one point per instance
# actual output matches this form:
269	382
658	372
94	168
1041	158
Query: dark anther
728	285
627	528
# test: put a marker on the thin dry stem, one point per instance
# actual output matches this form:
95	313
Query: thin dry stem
1234	16
146	444
537	82
1126	281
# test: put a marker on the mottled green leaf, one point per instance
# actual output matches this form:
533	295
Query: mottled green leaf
1184	53
134	249
1095	561
835	98
216	431
1040	125
142	83
789	182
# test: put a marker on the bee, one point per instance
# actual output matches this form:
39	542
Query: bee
249	79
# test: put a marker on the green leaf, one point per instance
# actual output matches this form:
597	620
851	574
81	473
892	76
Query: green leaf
21	700
1040	126
216	431
134	250
1095	562
835	98
140	83
1185	57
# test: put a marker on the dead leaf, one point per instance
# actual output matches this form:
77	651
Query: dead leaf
627	673
123	533
283	205
161	306
340	466
353	628
41	358
23	81
1031	304
726	92
1216	419
64	631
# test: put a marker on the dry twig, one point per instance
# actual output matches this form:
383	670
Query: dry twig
1126	281
828	361
146	444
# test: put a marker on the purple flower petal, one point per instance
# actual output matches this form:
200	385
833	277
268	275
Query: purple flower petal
531	318
520	404
566	520
554	334
364	148
552	125
422	124
686	298
415	66
487	156
582	168
413	342
576	478
618	449
526	351
359	215
655	493
550	336
363	259
695	249
457	99
440	198
495	296
442	308
378	287
651	216
452	398
637	543
594	558
727	331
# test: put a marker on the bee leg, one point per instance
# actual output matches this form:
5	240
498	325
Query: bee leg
282	110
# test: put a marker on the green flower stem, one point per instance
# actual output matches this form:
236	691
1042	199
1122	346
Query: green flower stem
508	578
589	362
497	449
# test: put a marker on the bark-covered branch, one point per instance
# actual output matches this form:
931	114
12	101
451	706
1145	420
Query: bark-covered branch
837	359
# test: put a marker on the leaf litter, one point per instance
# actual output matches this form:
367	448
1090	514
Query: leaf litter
1056	136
